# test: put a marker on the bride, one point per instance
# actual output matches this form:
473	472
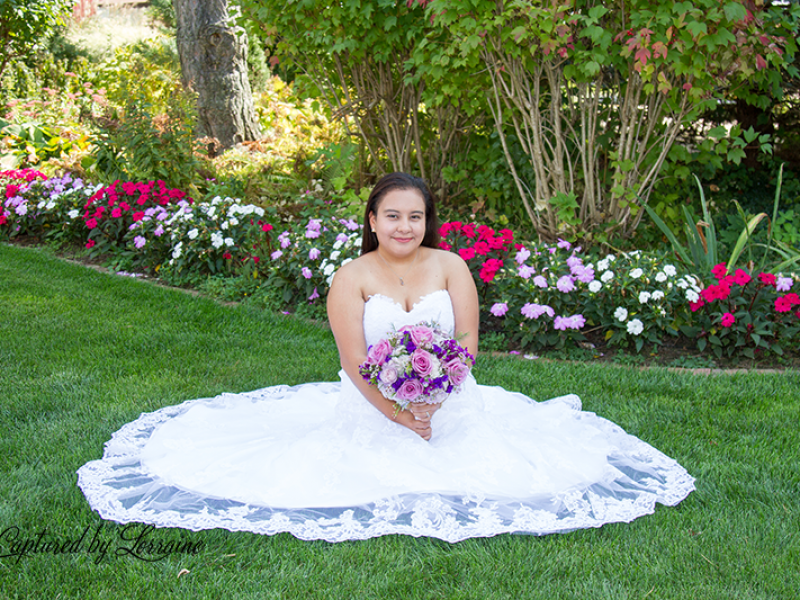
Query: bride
337	461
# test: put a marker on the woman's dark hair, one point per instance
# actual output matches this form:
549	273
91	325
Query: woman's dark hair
400	181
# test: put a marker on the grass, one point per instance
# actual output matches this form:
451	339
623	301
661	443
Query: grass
83	352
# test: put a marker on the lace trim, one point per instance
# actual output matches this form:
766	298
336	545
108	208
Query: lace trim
120	489
413	306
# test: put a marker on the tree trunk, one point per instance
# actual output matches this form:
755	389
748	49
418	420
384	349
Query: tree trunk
213	54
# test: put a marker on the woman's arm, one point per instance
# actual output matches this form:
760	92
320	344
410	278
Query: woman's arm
464	297
346	317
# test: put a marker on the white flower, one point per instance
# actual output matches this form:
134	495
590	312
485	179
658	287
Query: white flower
41	204
662	312
258	210
682	283
193	233
346	260
657	295
216	240
176	251
216	200
335	255
229	242
50	205
337	244
621	314
670	271
595	286
607	276
644	297
329	269
635	326
211	211
603	265
636	273
224	225
73	214
233	221
692	296
661	277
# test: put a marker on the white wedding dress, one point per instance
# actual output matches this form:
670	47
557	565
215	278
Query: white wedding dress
320	462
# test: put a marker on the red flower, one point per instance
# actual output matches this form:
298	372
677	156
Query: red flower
484	232
467	253
482	248
793	298
695	306
90	244
728	319
255	259
11	190
741	277
489	269
116	213
445	246
266	227
91	224
709	294
507	235
468	230
124	206
138	216
719	271
142	199
767	278
3	219
227	256
782	304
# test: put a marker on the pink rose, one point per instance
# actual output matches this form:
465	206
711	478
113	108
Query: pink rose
422	362
388	374
457	371
378	352
420	334
410	390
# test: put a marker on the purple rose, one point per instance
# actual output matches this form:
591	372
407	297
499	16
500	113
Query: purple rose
422	362
377	353
410	390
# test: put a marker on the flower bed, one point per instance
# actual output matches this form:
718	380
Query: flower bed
533	296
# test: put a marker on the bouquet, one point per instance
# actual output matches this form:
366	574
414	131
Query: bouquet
417	363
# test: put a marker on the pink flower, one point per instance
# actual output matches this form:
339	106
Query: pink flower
276	255
728	319
458	373
388	374
784	284
565	284
767	278
523	255
307	272
139	241
90	244
116	213
573	322
466	253
138	216
782	304
91	224
314	295
410	390
489	269
563	244
266	227
695	306
719	271
540	281
741	277
422	362
534	311
227	256
525	271
314	253
420	334
499	309
377	353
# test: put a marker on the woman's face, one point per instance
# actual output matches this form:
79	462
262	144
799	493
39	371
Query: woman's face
399	222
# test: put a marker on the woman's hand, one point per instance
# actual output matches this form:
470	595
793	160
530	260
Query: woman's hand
418	418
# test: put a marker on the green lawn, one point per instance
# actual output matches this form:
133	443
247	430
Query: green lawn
83	352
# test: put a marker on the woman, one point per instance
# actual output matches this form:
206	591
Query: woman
336	461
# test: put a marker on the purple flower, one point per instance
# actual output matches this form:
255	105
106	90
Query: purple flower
573	261
306	272
350	224
314	253
523	255
499	309
783	284
565	284
311	233
584	274
284	239
525	271
563	244
314	295
342	237
139	241
573	322
276	255
410	390
534	311
422	362
159	231
540	281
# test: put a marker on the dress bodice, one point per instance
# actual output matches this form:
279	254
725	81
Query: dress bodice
382	314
